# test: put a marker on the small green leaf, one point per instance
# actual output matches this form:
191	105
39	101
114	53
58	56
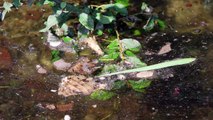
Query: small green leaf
110	57
87	21
161	24
99	32
135	61
102	95
144	6
55	55
129	53
63	5
131	44
139	85
123	2
66	39
104	19
136	32
120	8
51	21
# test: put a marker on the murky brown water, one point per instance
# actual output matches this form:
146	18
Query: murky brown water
25	94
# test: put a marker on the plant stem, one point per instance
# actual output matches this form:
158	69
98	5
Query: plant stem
120	46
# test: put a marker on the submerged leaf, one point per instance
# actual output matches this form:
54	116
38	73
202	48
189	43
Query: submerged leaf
87	21
156	66
102	95
104	19
131	44
123	2
51	21
7	8
139	85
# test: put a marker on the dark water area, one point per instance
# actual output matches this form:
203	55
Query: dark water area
188	95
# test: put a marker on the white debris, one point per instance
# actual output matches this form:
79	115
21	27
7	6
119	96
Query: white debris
67	117
165	49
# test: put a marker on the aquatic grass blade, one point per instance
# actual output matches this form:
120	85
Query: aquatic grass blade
155	66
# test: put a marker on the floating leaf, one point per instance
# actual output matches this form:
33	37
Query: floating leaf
139	85
86	21
156	66
131	44
102	95
135	61
104	19
7	8
51	21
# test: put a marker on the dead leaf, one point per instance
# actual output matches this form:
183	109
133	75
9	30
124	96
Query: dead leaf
78	85
93	44
165	49
65	107
145	74
84	66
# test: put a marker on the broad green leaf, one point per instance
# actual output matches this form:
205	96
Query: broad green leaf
156	66
51	21
102	95
128	53
150	24
136	32
123	2
87	21
16	3
139	85
135	61
7	8
82	32
104	19
131	44
120	8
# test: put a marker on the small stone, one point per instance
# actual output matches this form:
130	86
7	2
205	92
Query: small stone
40	69
61	65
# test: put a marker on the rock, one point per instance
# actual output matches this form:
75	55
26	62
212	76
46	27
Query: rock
61	65
165	49
40	69
5	58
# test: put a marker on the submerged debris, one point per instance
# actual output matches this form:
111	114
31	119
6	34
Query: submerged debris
78	85
93	44
84	66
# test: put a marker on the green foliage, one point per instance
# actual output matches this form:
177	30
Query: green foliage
55	55
135	61
104	19
16	3
102	95
117	85
140	85
131	44
156	66
51	21
87	21
67	39
123	2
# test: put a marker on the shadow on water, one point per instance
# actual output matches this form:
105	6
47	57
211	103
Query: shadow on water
24	93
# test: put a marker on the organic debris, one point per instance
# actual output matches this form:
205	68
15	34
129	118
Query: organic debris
5	58
93	44
165	49
61	65
84	66
65	107
78	85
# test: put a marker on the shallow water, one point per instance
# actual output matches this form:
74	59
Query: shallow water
24	93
